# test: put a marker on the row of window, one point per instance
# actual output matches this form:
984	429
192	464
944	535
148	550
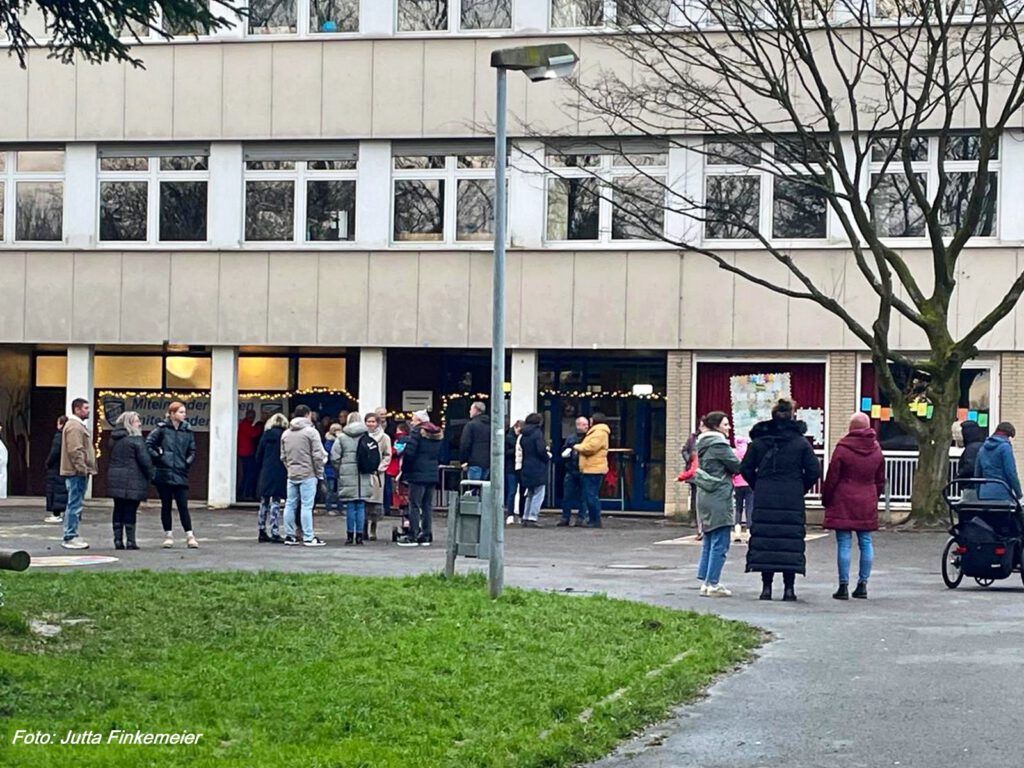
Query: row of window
309	195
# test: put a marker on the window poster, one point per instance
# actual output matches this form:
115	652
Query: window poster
753	396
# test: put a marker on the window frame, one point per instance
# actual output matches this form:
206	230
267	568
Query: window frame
10	177
610	10
930	169
153	177
454	23
303	15
299	176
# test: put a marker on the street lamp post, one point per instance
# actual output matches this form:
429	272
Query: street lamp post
538	62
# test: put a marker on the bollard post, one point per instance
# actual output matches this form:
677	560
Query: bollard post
14	560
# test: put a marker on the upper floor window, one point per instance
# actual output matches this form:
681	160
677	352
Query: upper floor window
606	196
148	197
453	15
580	14
891	201
747	192
443	198
32	195
288	17
300	195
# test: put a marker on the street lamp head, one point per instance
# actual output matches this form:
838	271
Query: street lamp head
537	62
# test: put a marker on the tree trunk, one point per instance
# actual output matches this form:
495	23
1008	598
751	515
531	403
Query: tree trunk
928	509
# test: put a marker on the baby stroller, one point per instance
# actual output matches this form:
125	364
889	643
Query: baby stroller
986	536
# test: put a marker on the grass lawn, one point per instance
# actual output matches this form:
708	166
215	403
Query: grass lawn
321	671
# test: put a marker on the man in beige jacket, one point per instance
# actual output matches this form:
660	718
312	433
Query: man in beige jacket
77	465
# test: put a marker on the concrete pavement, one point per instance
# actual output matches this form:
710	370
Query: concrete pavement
917	676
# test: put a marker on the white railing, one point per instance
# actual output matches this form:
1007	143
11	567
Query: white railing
900	467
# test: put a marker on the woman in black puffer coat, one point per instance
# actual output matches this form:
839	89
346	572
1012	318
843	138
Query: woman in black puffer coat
128	476
56	488
535	468
781	467
173	448
272	486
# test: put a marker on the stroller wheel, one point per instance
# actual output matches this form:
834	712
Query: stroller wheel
952	575
985	582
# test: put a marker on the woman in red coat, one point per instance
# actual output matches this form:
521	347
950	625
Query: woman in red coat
855	480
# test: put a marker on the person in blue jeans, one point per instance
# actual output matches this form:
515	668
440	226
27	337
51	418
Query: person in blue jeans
77	465
718	465
355	488
572	488
475	443
303	455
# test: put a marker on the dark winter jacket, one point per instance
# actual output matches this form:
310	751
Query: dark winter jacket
510	451
422	455
974	438
56	488
996	462
781	467
173	451
572	464
535	457
718	462
475	443
273	477
855	480
131	468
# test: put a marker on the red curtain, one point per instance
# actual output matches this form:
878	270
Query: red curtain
807	381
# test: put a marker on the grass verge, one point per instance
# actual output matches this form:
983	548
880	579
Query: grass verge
326	671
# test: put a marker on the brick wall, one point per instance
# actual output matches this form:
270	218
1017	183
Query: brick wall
1011	396
679	396
842	394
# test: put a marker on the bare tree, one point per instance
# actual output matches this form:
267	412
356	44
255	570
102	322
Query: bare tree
833	101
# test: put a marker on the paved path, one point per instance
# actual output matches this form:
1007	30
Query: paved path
917	676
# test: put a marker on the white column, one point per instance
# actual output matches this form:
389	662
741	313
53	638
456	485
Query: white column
530	16
376	17
80	219
524	384
223	428
1011	176
686	182
80	383
226	191
236	28
373	378
373	203
526	214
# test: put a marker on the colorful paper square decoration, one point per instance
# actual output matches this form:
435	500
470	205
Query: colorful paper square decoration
961	415
886	414
931	411
973	416
865	403
983	420
876	411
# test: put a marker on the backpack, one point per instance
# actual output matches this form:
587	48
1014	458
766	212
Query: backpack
367	455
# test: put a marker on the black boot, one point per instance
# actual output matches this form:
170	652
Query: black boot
373	531
788	593
263	538
359	539
766	585
843	593
349	538
861	592
129	532
118	535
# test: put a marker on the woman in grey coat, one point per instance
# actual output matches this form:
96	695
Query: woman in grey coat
718	464
354	487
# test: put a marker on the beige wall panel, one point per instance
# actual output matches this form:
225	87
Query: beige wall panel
448	91
599	300
342	302
810	326
859	299
485	91
546	303
831	69
552	107
242	299
14	87
198	94
983	276
760	316
347	88
247	90
149	95
145	297
292	309
49	295
599	62
481	298
51	96
910	336
398	88
443	308
297	88
195	287
390	325
97	303
652	300
12	288
100	101
706	319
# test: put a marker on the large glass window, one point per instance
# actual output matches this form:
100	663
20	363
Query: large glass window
453	15
258	374
580	14
32	195
300	200
273	17
327	16
145	198
425	208
605	196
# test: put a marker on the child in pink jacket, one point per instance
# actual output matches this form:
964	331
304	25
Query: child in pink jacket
743	494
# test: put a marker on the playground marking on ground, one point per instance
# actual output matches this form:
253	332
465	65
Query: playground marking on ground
62	561
693	541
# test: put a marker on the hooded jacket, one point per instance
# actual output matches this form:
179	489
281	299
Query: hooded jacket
273	478
781	467
855	480
996	462
974	438
302	452
475	442
593	449
173	452
422	454
352	486
56	488
717	459
534	473
77	453
131	467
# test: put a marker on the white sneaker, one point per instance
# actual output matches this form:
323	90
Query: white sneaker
191	543
703	589
53	519
737	533
718	591
168	542
75	543
510	520
316	541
